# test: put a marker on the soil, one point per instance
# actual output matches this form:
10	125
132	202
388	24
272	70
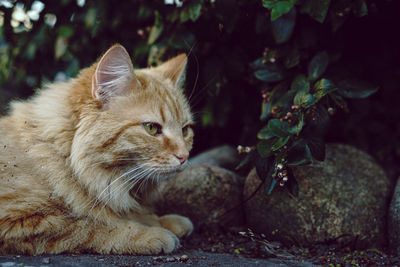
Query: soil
242	242
233	247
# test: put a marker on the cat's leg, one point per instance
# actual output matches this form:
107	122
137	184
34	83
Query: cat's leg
38	234
133	238
179	225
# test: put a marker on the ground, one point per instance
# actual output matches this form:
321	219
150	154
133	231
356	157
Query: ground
217	247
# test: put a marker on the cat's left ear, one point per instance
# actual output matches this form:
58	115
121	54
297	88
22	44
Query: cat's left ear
175	69
114	74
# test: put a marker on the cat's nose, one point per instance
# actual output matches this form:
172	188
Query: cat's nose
182	157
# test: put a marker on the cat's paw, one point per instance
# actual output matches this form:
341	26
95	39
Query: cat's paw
157	240
179	225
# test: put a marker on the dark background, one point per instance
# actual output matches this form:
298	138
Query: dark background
222	38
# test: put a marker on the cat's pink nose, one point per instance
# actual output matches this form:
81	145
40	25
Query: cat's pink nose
182	157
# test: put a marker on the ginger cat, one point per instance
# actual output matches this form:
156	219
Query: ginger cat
78	161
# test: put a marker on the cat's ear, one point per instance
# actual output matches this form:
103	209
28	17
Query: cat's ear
175	69
113	75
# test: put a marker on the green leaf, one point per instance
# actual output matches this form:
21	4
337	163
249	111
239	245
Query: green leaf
318	65
157	28
195	11
90	18
317	9
264	147
144	13
280	143
323	87
272	186
244	162
207	117
300	83
270	73
352	88
65	32
265	133
31	50
317	148
282	28
269	3
299	154
278	8
304	99
292	59
296	129
60	47
360	8
185	15
258	63
283	99
265	110
278	128
264	168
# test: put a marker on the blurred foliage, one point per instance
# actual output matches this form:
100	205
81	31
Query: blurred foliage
243	54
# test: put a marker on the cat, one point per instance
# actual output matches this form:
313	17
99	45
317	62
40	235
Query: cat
80	160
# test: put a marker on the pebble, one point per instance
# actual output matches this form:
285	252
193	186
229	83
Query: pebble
184	257
170	259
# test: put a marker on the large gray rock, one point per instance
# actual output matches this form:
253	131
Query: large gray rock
343	199
204	194
394	220
223	156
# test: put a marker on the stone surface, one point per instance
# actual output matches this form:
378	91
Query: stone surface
195	258
223	156
343	199
204	194
394	220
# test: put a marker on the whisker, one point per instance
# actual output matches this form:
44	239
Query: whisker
99	196
195	100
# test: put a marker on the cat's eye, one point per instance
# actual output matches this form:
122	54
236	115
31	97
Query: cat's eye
152	128
185	130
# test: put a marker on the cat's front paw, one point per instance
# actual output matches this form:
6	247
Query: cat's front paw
179	225
157	240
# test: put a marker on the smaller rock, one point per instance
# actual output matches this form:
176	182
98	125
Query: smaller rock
170	259
205	194
46	260
394	220
184	257
223	156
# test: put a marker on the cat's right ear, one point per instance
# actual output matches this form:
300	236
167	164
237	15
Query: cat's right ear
113	75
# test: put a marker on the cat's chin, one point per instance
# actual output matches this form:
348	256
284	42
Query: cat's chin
170	172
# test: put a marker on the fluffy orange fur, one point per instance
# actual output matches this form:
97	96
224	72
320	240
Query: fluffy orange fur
78	161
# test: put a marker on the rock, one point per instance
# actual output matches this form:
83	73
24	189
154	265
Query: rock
394	220
342	199
204	194
223	156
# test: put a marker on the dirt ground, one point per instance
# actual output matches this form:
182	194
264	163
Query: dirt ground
234	247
